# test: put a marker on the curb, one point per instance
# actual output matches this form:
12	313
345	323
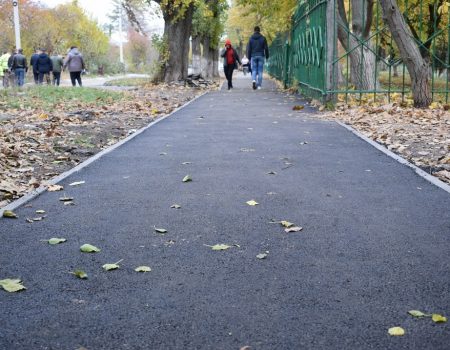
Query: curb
33	194
430	178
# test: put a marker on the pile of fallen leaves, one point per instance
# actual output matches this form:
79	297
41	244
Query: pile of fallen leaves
37	144
422	136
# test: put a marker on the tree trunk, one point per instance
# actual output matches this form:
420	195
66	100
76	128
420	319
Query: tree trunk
177	33
215	60
207	66
417	67
362	57
196	55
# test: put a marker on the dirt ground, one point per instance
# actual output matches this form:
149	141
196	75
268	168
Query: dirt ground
37	145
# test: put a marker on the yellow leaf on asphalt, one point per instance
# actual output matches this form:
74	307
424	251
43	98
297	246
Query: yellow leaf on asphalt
417	313
396	331
298	108
252	203
286	223
438	318
54	241
88	248
9	214
80	274
143	269
160	230
187	178
12	285
219	246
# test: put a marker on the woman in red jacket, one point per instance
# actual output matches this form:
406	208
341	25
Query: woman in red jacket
230	62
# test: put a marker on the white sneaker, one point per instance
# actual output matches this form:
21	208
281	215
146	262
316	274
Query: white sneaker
259	88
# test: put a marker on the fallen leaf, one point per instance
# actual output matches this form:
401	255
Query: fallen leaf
12	285
187	178
396	331
175	206
417	313
88	248
286	223
109	267
262	256
66	199
29	220
252	203
245	348
293	229
54	241
69	203
55	188
40	211
160	230
298	108
80	274
219	246
438	318
143	269
271	173
77	183
186	163
9	214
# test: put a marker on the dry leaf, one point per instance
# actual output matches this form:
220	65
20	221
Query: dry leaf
396	331
187	178
77	183
9	214
55	188
252	203
438	318
12	285
293	229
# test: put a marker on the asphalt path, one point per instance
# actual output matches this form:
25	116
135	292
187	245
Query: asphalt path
375	241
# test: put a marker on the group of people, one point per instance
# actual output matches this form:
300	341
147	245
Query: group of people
257	53
14	66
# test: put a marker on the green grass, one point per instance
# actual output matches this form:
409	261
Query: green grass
49	97
129	82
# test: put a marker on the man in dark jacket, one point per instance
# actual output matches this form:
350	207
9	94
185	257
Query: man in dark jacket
12	77
230	62
43	66
20	67
33	59
257	52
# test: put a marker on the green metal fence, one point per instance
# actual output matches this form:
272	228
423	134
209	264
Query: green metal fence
327	58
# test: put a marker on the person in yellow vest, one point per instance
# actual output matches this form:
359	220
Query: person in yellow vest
4	69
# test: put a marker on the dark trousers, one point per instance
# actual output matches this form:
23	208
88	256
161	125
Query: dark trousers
228	70
41	77
75	76
56	78
36	77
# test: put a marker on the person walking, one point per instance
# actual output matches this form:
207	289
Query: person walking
33	60
11	75
20	67
4	70
43	66
75	65
58	63
230	62
257	52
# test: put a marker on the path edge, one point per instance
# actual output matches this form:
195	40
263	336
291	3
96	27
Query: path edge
43	188
430	178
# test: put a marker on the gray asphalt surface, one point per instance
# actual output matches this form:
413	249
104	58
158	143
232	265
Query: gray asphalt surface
375	243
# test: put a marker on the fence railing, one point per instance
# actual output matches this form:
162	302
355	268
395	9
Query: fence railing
326	58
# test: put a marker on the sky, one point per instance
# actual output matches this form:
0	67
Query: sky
97	8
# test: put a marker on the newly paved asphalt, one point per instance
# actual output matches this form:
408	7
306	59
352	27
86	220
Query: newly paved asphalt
375	243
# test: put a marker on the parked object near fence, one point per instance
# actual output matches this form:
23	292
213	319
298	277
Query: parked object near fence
340	50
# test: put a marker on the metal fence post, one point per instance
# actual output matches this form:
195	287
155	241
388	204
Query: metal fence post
331	52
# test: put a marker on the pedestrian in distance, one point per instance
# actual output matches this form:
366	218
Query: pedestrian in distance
43	65
230	61
4	70
11	75
245	65
58	63
33	59
257	53
20	67
75	65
